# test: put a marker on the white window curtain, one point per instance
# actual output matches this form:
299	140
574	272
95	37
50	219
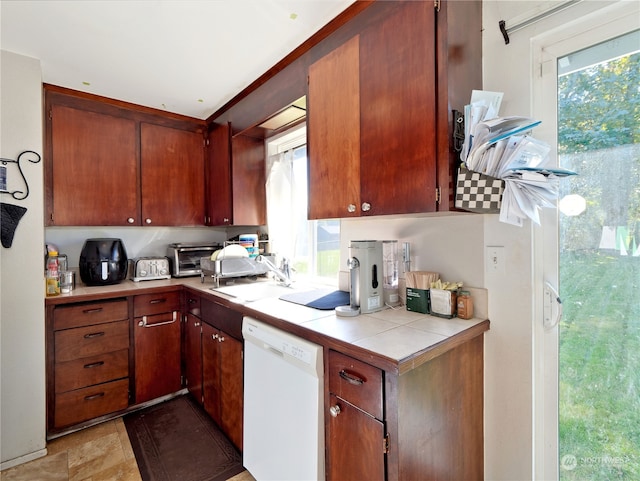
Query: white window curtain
286	204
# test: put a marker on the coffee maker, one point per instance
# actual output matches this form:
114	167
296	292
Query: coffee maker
365	278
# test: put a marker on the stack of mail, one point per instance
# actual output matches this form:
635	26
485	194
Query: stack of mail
501	147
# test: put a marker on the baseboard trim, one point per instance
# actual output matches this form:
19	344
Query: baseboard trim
23	459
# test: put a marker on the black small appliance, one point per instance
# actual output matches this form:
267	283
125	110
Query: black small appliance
103	262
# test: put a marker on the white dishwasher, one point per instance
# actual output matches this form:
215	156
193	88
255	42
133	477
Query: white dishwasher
283	438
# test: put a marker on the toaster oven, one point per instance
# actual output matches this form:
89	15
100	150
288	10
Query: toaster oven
184	258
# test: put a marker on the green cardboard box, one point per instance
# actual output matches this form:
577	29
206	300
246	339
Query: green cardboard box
418	300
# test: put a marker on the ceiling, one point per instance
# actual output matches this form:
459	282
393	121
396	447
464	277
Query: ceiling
188	57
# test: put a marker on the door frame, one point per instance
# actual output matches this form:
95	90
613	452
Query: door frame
611	21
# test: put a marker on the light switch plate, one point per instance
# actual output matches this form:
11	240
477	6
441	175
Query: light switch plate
495	260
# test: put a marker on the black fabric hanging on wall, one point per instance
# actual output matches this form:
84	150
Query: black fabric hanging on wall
9	219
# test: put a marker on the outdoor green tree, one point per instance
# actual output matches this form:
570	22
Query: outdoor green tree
599	107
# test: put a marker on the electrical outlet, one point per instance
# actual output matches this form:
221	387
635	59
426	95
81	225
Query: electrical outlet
495	259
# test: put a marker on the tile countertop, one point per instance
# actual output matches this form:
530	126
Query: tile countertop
393	339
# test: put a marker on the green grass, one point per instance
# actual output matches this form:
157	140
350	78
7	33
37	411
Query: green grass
600	367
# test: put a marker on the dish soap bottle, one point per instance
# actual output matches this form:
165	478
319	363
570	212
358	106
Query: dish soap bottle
53	275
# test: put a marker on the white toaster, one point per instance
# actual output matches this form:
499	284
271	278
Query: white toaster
149	268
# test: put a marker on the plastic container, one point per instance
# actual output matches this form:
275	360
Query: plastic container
250	242
53	275
390	272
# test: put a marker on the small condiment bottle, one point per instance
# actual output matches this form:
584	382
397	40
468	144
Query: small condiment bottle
465	305
53	275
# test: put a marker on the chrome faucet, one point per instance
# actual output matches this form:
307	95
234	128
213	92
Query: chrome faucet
283	274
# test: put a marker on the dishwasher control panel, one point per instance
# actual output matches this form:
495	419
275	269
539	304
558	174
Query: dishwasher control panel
280	342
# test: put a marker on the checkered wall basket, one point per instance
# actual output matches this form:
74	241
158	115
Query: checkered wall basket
478	193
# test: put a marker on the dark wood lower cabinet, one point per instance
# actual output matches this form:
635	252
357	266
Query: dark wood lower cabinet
355	444
415	420
429	426
157	334
211	372
222	367
157	355
193	356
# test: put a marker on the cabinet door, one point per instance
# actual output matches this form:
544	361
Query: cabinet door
398	112
334	133
211	372
157	355
231	392
94	177
219	201
193	356
172	166
248	180
355	448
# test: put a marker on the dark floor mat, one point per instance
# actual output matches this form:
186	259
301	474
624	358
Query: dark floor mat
323	299
177	441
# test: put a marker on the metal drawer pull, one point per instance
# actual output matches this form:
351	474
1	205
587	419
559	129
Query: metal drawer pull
94	364
93	334
157	301
143	322
350	378
92	311
94	396
335	410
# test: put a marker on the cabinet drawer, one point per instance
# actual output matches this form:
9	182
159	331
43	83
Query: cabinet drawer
222	318
88	341
78	315
92	370
149	304
356	382
83	404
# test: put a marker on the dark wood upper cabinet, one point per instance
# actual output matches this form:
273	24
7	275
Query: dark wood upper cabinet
248	180
381	82
112	163
92	168
172	167
333	133
236	192
372	119
398	112
415	62
218	176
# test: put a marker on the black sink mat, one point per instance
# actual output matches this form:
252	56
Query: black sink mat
177	441
323	299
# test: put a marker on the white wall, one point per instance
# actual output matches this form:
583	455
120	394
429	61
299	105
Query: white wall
138	241
22	354
450	245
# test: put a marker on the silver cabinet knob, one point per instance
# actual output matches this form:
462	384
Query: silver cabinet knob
225	220
366	206
147	221
221	339
131	220
334	410
351	208
214	336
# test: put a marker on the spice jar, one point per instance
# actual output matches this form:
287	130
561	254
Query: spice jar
465	305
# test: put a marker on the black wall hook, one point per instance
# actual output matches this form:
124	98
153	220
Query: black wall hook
18	194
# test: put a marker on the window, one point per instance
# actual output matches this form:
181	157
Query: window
312	247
